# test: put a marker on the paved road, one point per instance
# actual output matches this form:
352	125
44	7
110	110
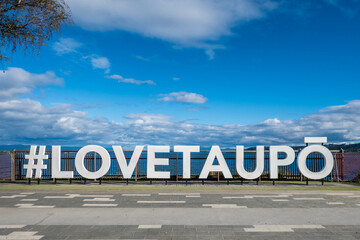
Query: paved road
180	215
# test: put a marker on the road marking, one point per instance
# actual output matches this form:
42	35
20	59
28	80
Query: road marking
29	200
258	196
223	206
22	235
335	203
149	226
193	196
11	226
136	195
13	196
280	228
339	194
244	197
69	195
27	193
178	194
59	197
358	205
280	200
94	196
99	205
31	205
161	201
310	199
273	196
99	200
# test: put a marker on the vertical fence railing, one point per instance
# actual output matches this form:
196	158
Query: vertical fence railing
92	162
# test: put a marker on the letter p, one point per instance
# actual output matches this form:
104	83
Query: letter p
275	162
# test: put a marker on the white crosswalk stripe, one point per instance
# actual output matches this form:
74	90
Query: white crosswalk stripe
22	236
280	228
149	226
223	206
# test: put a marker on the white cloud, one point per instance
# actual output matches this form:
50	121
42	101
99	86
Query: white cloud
196	109
66	45
186	23
30	121
69	45
210	53
183	97
130	80
142	58
348	7
176	79
100	63
17	81
26	121
144	118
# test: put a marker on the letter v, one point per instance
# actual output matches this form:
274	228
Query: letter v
127	170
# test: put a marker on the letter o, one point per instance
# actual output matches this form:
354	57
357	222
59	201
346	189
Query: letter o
79	162
329	162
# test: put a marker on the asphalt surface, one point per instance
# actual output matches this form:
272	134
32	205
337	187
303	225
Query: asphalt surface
180	215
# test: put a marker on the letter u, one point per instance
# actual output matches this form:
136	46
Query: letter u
259	163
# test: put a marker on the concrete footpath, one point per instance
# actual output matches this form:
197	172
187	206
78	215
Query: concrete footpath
180	216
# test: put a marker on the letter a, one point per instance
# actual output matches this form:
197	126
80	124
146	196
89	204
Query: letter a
215	152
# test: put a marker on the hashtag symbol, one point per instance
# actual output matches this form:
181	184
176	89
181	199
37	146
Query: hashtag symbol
31	165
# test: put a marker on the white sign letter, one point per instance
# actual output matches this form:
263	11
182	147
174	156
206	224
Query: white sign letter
259	163
215	152
79	161
56	165
328	157
186	151
127	170
275	161
152	161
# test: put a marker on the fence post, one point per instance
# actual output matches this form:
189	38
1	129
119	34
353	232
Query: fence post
218	176
136	173
177	167
13	165
342	164
20	170
94	163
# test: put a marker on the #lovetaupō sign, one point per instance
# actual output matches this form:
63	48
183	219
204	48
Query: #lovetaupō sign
127	169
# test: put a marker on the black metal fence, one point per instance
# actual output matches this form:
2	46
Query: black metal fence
5	165
315	162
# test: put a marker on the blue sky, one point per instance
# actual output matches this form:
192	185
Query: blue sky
190	72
